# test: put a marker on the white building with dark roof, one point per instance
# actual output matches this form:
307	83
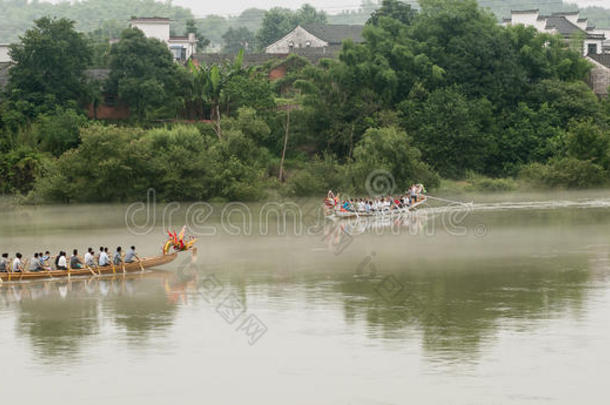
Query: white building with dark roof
182	47
567	24
327	37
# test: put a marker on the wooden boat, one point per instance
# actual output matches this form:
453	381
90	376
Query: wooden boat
145	263
177	242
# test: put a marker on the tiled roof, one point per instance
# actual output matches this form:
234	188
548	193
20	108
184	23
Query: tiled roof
567	13
567	28
335	33
533	10
150	19
603	58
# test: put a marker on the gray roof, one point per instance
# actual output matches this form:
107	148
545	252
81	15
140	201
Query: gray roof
567	28
603	58
335	33
530	11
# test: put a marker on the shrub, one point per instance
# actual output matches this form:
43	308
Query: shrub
487	184
565	173
19	169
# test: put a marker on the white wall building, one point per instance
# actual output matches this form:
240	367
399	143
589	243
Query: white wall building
156	27
4	56
567	24
316	36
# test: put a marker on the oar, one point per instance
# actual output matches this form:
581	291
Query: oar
23	267
87	267
140	263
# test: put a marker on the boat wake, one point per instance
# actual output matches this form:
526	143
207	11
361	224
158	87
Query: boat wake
525	205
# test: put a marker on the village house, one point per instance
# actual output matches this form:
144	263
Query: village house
567	24
599	78
182	47
4	56
326	38
596	42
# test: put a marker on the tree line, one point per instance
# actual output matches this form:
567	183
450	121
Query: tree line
443	92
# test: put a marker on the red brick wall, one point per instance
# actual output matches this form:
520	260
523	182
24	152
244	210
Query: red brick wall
277	73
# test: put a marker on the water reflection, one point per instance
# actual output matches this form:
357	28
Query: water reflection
59	315
456	308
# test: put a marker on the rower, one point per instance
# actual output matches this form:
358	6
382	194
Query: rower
89	258
4	263
35	263
131	255
42	258
117	259
60	261
104	260
75	261
17	265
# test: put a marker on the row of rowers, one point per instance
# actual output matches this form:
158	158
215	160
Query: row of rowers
379	204
44	262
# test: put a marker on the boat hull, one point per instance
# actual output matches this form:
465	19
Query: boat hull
129	268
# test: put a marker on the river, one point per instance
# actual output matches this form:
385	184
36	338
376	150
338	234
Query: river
505	300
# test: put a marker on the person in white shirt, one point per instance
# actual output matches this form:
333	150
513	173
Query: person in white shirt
17	265
89	258
104	258
62	263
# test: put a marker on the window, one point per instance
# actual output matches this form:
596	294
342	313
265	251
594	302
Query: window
591	49
178	51
308	44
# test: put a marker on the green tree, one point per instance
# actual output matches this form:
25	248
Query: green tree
49	67
144	75
452	131
280	21
58	131
394	9
202	41
391	150
587	141
236	39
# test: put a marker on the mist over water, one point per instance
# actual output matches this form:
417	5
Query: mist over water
507	303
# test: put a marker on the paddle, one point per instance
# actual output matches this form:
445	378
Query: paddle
87	266
23	267
140	263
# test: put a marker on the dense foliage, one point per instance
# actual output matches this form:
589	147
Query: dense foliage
143	73
49	68
440	92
